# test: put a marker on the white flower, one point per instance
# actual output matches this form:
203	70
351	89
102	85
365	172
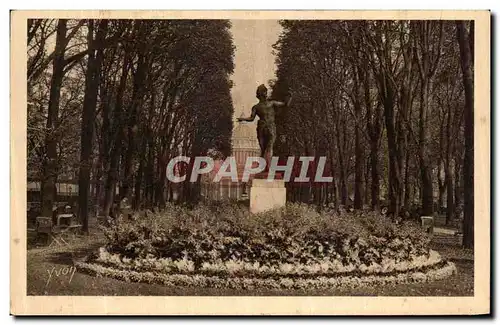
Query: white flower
286	282
286	268
418	277
250	283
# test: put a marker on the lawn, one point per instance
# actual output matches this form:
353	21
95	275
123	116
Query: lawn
49	273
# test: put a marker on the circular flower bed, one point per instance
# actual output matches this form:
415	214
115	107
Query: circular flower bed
295	247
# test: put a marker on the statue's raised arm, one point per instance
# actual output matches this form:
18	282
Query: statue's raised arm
286	103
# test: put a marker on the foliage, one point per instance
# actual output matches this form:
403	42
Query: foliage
295	234
151	90
366	94
223	245
105	279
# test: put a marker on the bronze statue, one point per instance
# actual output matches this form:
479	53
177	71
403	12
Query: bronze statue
266	127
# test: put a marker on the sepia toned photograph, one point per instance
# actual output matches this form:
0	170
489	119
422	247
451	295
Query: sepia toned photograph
260	158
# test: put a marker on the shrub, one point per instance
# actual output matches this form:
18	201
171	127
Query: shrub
294	234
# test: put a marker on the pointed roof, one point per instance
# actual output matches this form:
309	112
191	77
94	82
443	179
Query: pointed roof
245	135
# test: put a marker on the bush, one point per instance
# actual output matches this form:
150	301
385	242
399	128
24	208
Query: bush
294	234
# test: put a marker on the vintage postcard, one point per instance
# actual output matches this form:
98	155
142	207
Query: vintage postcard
250	162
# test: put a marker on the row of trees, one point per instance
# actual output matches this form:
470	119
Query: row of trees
117	99
390	103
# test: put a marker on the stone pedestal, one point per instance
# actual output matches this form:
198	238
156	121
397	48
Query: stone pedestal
267	194
428	224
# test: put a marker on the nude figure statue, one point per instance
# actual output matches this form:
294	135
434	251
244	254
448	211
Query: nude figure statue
265	109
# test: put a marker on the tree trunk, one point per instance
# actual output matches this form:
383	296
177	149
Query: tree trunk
395	187
358	147
92	80
137	98
50	164
359	162
149	175
373	125
448	176
118	130
334	182
441	185
343	183
408	185
427	55
138	182
458	184
425	165
375	175
450	205
466	63
367	180
162	181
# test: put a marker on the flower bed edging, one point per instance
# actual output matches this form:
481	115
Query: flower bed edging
326	267
285	282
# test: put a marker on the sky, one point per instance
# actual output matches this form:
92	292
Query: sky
253	62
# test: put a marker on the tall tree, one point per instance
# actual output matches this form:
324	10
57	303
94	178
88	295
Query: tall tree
50	166
92	80
428	38
465	37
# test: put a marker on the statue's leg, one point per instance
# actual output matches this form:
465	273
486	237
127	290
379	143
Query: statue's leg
262	144
271	140
262	140
265	154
